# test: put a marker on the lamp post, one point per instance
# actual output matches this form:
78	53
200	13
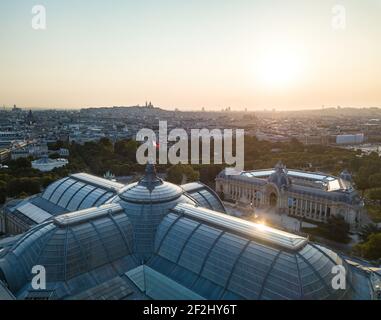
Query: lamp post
301	222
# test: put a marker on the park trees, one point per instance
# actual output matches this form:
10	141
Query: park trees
371	248
29	186
336	229
127	149
3	191
179	174
375	194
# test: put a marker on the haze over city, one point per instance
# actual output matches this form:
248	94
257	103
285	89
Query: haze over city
188	55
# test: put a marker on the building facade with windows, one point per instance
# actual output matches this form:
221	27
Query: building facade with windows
314	196
26	150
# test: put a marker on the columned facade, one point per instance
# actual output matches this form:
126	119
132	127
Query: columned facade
312	196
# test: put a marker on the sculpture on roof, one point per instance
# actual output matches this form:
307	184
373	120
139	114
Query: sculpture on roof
280	177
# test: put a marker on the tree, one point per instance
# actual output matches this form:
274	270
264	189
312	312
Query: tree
296	145
5	177
370	249
3	191
367	230
126	148
20	163
57	145
121	170
362	179
208	173
355	164
23	185
336	229
3	197
47	180
191	174
106	143
375	194
375	180
178	173
3	185
175	174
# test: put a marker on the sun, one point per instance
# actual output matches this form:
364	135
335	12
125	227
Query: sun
280	69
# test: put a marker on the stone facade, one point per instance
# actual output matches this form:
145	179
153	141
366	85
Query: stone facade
313	196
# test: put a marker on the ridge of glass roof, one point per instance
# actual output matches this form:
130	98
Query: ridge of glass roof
76	217
97	181
296	173
253	230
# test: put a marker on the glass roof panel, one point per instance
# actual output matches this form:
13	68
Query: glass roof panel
261	232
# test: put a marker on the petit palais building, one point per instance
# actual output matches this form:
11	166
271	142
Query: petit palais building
311	195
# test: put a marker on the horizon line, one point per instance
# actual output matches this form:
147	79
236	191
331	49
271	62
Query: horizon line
197	109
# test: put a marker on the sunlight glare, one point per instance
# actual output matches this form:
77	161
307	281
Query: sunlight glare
280	69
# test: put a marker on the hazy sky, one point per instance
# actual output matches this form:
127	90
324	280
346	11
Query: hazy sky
191	54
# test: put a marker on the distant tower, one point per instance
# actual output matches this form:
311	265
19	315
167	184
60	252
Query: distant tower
29	118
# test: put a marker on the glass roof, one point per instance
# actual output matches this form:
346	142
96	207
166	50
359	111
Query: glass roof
205	196
292	173
250	229
206	253
76	192
215	263
70	246
97	181
139	193
87	214
33	212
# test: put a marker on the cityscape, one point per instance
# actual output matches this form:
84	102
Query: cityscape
85	214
